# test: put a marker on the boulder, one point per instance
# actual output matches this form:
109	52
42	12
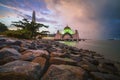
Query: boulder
77	57
40	60
28	57
8	55
36	53
107	66
56	54
87	66
2	40
20	68
104	76
65	72
14	76
57	60
16	47
19	43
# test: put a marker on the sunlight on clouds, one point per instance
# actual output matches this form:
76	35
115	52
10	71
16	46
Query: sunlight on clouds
76	15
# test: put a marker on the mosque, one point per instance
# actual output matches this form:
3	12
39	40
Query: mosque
67	34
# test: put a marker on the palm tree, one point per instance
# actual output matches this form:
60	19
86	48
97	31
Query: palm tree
33	27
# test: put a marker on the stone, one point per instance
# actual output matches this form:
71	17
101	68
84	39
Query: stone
36	53
87	66
29	69
77	57
104	76
57	60
14	76
56	54
107	66
32	46
28	57
8	55
2	40
17	43
40	60
90	59
16	47
65	72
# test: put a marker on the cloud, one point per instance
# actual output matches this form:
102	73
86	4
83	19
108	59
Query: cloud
87	16
77	14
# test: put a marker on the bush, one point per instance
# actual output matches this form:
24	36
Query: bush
21	34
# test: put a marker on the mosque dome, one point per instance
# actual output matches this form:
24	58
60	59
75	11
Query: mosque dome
68	30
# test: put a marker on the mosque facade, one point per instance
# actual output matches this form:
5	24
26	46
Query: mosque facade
67	34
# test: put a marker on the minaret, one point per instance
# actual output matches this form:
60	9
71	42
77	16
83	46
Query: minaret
33	17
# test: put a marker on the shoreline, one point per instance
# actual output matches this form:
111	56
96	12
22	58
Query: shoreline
51	60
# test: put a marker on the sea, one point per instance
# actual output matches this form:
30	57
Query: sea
109	48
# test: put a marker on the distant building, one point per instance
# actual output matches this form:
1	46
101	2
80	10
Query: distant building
67	34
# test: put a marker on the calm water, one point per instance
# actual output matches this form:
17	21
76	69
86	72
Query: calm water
109	48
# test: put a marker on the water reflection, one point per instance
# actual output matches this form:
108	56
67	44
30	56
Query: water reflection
70	43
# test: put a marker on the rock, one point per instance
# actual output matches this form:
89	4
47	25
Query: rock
117	65
8	55
2	40
77	57
36	53
17	43
90	59
107	66
27	69
14	76
65	72
28	57
103	76
57	60
33	46
87	66
56	54
40	60
16	47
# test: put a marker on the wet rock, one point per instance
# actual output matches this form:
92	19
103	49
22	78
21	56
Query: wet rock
17	43
16	47
29	69
90	59
14	76
87	66
2	40
28	57
77	57
56	54
57	60
65	72
103	76
117	65
40	60
107	66
8	55
33	46
36	53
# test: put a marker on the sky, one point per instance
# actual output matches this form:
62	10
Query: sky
94	19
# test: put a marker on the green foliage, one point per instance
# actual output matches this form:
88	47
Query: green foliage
21	34
29	26
3	27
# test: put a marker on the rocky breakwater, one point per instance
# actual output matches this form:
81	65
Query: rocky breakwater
50	60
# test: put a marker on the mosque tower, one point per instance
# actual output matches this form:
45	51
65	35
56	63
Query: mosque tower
33	17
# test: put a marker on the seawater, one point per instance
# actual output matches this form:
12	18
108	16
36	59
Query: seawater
109	48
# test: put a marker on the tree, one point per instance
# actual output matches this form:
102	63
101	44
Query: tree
33	27
3	27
